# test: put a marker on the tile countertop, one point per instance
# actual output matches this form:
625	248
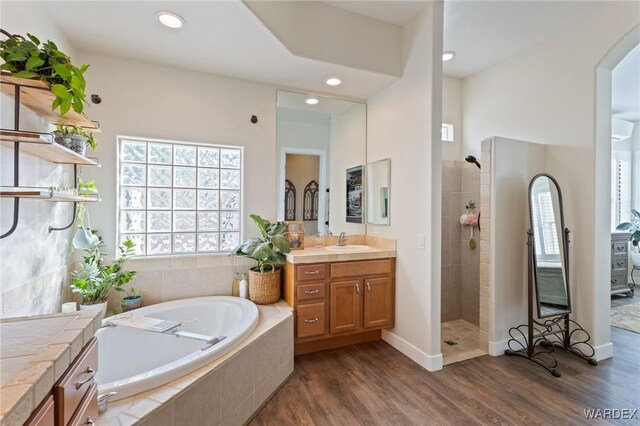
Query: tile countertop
34	353
380	248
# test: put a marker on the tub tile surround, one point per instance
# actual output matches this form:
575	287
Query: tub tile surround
460	264
34	353
163	279
380	248
227	391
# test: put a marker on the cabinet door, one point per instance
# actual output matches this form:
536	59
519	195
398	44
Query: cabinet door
378	302
345	306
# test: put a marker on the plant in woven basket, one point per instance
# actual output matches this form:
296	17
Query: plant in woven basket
269	249
28	58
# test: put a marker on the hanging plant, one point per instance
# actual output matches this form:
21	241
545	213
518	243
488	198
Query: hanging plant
28	58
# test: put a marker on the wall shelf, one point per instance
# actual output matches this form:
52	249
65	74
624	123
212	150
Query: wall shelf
42	145
44	193
36	96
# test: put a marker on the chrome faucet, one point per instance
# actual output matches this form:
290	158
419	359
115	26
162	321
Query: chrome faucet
342	239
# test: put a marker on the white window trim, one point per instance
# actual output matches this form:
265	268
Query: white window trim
119	138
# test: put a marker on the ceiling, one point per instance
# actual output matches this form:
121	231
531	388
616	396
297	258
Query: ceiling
226	38
297	101
484	33
625	80
220	37
397	12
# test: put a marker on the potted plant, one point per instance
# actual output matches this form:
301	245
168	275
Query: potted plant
28	58
634	228
95	279
75	138
269	251
132	300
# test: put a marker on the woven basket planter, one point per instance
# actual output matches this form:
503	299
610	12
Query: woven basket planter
264	288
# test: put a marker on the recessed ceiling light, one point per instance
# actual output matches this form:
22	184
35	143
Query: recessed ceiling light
170	20
311	101
448	55
334	81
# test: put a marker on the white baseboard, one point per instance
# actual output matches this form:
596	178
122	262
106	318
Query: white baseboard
498	348
603	351
426	361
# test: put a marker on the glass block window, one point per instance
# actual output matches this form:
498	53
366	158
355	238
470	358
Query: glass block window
178	197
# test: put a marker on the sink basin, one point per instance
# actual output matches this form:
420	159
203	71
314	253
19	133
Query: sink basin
348	247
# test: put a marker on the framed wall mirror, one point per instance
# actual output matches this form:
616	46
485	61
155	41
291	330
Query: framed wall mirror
549	244
378	192
319	140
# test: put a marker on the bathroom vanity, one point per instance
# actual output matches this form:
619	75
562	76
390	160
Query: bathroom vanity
339	299
48	364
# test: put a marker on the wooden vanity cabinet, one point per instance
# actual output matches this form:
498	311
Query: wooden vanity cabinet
340	303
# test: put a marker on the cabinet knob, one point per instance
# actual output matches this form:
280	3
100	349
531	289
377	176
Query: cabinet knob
368	287
316	291
358	288
311	272
311	320
90	421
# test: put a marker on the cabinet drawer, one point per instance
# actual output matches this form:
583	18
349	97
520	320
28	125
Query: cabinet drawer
619	262
87	413
43	415
618	281
310	320
75	382
314	272
618	247
310	291
367	267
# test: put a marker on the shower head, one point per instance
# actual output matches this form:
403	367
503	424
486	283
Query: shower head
471	159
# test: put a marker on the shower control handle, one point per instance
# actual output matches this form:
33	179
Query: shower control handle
91	372
311	320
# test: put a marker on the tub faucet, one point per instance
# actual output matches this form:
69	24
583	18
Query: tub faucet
342	239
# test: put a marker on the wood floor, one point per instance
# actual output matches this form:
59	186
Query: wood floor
373	384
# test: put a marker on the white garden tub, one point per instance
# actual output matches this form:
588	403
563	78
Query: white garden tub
133	361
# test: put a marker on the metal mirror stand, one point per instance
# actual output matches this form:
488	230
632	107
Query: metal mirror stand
537	340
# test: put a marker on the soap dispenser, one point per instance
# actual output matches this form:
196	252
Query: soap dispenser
235	285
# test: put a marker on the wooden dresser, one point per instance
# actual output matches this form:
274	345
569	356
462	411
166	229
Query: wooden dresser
340	303
620	263
73	400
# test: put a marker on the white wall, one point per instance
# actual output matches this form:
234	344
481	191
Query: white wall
452	114
404	124
348	149
548	94
33	262
513	164
141	99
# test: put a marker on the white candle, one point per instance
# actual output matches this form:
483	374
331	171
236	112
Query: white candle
69	307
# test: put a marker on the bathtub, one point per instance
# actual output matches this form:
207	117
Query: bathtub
133	361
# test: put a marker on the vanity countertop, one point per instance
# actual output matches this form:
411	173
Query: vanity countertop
379	248
34	353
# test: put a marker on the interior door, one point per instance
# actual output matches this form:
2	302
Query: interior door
345	306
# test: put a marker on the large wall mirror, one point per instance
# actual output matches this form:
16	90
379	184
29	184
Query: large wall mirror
321	144
549	254
378	192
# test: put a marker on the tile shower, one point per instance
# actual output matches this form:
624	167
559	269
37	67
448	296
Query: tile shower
460	263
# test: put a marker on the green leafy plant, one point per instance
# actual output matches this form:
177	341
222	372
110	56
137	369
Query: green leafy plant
87	187
132	293
633	227
95	279
268	250
67	131
28	58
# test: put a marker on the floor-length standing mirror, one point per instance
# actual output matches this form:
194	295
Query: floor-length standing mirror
548	284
